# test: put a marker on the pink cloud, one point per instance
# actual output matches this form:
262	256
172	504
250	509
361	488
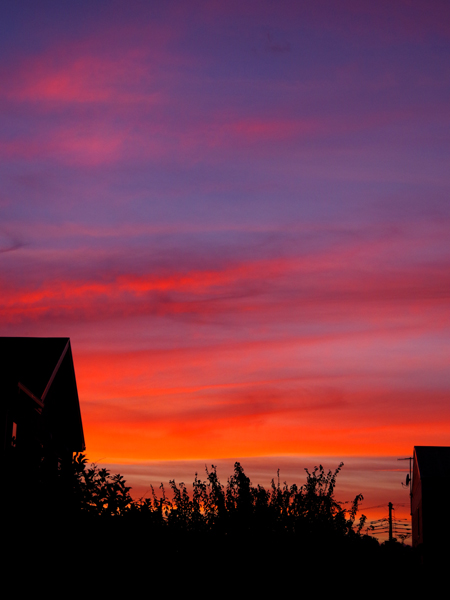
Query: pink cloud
363	277
257	130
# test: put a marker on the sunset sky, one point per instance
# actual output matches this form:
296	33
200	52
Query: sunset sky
239	213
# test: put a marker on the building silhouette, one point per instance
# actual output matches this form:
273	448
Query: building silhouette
40	419
430	500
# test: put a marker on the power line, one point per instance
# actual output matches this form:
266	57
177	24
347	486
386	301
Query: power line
390	525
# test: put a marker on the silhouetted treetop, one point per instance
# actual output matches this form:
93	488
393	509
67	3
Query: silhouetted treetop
238	506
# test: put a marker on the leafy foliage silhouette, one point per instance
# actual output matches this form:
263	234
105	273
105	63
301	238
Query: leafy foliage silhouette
96	491
237	508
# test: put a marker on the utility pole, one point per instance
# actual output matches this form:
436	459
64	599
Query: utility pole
390	521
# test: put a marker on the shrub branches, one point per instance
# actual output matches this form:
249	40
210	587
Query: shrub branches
238	507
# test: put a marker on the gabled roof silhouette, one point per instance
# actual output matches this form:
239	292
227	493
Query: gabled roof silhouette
43	369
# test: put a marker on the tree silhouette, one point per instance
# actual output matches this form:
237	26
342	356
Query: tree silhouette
310	510
96	491
275	525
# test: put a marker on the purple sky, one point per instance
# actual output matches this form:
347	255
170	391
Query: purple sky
239	212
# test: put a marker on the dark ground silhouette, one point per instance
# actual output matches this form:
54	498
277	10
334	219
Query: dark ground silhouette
282	536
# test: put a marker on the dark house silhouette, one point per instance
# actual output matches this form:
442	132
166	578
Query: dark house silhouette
430	499
40	417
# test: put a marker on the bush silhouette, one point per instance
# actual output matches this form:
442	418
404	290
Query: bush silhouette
96	492
237	508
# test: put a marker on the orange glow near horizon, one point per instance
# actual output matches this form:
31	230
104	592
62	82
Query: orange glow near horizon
137	443
165	406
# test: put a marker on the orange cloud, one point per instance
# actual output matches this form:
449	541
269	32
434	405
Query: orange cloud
157	440
189	403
